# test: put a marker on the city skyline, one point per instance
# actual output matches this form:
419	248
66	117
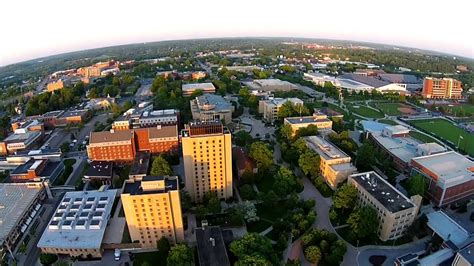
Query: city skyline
364	21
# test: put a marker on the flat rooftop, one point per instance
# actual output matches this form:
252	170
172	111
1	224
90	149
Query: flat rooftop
108	136
198	86
162	131
324	148
15	138
391	198
447	228
140	164
351	84
15	200
99	169
159	113
468	253
74	113
273	82
403	148
53	113
305	120
450	167
370	81
211	247
80	220
135	187
212	102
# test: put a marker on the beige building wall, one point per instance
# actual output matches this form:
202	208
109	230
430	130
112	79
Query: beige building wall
208	165
391	225
322	125
151	216
74	252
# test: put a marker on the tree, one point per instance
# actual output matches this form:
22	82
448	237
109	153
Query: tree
261	154
247	192
248	210
310	130
309	163
365	157
253	244
256	260
65	147
185	200
416	185
242	138
286	110
212	203
313	254
363	222
286	132
163	246
180	254
48	259
285	182
160	167
345	197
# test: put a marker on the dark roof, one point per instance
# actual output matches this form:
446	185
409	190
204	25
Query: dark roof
107	136
242	160
50	168
399	78
73	113
135	187
99	169
211	247
371	81
468	253
46	172
163	132
383	192
140	164
23	169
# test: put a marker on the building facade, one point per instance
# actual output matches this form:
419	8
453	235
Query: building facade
319	120
269	108
450	176
335	166
207	153
441	88
188	89
152	209
210	107
395	211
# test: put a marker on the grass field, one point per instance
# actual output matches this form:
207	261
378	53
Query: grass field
447	131
467	108
365	111
390	108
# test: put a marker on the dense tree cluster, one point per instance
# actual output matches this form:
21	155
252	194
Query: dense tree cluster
322	247
56	100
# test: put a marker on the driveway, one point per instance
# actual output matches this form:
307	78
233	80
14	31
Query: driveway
390	252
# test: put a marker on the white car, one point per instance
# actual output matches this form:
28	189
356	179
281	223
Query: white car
117	254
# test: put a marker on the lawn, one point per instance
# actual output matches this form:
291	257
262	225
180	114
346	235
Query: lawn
365	111
447	131
149	258
467	108
390	108
388	122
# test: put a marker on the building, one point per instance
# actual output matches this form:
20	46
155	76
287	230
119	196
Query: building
78	225
210	107
441	88
37	170
207	155
270	107
65	117
243	69
395	211
395	142
355	82
320	79
19	141
465	257
188	89
56	85
317	119
330	113
271	85
100	103
452	233
144	116
140	166
122	145
211	246
19	204
243	163
450	176
152	209
410	82
99	172
335	166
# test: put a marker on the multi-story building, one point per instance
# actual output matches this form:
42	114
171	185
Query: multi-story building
122	145
111	146
395	142
441	88
450	176
78	225
269	108
395	211
211	246
58	84
19	141
465	256
211	107
19	204
152	209
207	153
37	170
65	117
144	116
188	89
317	119
271	85
335	166
99	172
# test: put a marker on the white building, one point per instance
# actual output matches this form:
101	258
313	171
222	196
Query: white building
269	108
188	89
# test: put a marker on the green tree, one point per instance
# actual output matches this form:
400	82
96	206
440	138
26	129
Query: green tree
286	110
212	203
365	157
286	132
345	197
416	185
253	244
309	163
311	130
242	138
160	167
181	255
285	182
261	154
65	147
163	246
363	222
313	254
48	259
255	260
247	192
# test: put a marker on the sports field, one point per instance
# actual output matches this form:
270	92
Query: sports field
462	110
447	131
365	111
395	108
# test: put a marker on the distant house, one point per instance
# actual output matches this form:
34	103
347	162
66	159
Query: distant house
243	162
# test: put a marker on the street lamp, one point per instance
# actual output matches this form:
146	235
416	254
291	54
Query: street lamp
459	140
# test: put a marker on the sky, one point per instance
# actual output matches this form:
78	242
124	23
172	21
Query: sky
31	28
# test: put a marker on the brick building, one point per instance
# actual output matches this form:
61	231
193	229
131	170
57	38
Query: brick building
441	88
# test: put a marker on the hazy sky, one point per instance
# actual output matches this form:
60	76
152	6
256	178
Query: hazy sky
33	28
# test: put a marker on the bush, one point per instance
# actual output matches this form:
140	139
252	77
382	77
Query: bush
48	259
322	187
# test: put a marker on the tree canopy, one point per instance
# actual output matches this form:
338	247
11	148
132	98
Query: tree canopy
345	197
416	185
365	157
180	254
254	244
160	167
309	163
261	154
363	222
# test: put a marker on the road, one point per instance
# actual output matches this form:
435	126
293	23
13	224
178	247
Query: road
144	92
